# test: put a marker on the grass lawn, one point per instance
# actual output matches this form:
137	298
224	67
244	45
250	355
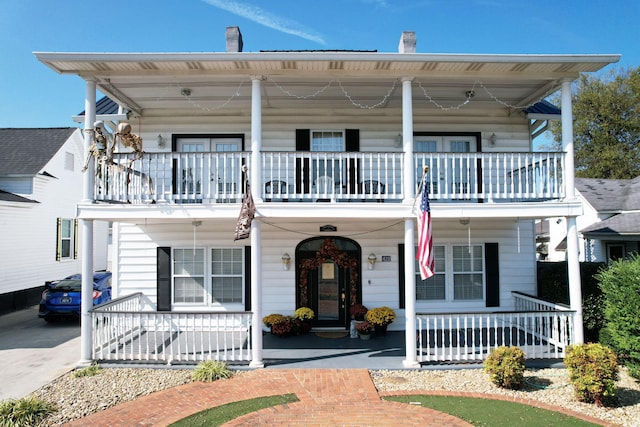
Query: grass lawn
493	413
222	414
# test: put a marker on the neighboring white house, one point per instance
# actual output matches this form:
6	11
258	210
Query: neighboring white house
610	225
335	144
40	186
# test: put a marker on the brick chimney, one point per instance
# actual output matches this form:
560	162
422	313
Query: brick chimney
234	39
407	42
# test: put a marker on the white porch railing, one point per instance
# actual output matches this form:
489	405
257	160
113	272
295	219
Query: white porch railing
542	333
123	332
330	176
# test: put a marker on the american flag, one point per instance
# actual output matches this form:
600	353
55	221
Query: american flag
425	241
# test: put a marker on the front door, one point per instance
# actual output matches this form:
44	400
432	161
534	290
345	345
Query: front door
328	279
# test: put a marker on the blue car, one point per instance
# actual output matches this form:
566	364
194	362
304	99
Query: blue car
62	298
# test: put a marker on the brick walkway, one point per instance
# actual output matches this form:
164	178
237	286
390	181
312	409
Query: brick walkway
328	397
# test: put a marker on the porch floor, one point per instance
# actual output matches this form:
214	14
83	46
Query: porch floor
313	351
379	352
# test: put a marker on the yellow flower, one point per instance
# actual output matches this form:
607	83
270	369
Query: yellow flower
304	313
272	318
380	316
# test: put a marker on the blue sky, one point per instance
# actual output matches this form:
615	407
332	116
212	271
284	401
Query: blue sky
35	96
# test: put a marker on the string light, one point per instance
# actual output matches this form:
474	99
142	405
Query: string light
187	95
469	94
313	95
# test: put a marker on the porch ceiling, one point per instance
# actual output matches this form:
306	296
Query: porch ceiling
155	81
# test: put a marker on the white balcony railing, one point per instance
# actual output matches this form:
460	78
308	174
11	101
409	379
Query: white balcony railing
329	176
122	331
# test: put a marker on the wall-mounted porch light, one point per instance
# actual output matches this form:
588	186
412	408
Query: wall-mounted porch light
493	138
160	140
286	260
372	260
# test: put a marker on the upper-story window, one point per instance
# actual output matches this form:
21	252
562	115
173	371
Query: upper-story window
327	170
327	140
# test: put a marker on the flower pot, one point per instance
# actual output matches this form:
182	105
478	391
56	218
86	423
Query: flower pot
381	329
352	328
364	336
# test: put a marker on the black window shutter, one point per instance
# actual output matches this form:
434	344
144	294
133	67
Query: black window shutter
247	278
352	140
163	256
303	143
401	294
352	144
492	273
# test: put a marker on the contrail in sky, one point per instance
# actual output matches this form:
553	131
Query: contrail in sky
262	17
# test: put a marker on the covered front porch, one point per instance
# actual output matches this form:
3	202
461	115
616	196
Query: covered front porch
125	332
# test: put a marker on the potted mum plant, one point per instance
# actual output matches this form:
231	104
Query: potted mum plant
304	316
364	330
272	319
357	311
381	317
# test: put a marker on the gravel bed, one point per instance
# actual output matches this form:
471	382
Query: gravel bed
550	386
79	397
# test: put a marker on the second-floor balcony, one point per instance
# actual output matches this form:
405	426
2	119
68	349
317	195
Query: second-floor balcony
214	177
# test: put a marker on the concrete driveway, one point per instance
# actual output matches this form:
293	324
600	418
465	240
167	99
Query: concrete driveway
34	352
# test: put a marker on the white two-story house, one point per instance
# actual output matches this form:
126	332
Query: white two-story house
334	145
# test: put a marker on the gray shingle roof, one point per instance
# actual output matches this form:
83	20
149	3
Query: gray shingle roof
25	151
610	195
10	197
624	223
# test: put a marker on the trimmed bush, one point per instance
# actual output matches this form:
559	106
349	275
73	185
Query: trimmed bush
25	412
620	284
505	366
593	371
211	370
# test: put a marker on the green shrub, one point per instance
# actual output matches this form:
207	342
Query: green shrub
505	366
89	371
593	371
211	370
620	284
26	412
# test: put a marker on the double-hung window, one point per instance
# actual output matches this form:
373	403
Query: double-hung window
459	275
326	167
211	277
66	244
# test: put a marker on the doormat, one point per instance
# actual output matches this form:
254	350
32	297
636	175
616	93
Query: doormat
332	334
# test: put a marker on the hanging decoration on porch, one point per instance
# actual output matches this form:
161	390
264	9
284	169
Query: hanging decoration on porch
247	211
103	145
328	251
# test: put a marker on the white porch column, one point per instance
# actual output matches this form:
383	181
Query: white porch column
411	360
86	228
256	137
408	179
408	187
256	237
573	255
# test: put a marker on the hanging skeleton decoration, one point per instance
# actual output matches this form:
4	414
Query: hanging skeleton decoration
247	211
104	144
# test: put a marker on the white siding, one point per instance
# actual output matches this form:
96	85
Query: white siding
136	251
28	250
